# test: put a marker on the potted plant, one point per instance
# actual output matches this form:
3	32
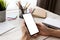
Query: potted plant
2	10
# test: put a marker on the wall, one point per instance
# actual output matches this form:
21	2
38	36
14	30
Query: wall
57	8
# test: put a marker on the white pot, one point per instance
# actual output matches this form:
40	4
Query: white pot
2	16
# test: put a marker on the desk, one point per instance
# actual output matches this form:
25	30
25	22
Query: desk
16	33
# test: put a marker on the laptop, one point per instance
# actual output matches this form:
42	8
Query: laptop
54	23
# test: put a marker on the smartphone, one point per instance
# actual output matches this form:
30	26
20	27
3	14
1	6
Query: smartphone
30	24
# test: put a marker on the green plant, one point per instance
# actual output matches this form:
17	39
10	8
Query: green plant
2	5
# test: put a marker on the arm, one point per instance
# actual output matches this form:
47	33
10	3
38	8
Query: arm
44	30
55	33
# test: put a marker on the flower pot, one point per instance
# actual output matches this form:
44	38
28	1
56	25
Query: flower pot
2	16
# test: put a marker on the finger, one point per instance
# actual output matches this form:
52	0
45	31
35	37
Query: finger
24	28
39	24
25	37
23	24
35	36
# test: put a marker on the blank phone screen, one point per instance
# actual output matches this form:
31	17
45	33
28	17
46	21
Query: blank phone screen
32	28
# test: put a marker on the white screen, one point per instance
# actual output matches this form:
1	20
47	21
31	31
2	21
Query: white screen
30	24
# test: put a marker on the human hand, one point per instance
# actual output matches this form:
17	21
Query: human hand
43	30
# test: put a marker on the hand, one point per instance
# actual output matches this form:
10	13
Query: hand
26	35
43	30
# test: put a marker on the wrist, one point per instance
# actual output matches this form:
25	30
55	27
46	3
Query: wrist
51	31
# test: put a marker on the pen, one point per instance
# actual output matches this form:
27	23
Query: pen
20	7
26	6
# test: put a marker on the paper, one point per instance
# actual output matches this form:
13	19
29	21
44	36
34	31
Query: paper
6	26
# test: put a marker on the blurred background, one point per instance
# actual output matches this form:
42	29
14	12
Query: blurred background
51	5
12	8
